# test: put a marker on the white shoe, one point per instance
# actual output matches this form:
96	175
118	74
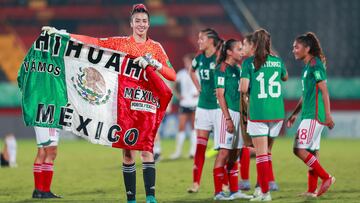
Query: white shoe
175	156
222	196
240	195
262	198
257	192
308	194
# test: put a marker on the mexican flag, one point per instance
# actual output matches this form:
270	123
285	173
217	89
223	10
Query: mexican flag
94	92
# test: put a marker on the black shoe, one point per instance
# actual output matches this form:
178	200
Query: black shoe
47	195
37	194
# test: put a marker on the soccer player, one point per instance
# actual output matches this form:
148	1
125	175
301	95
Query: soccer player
204	63
47	140
244	184
228	139
148	52
264	73
315	111
188	95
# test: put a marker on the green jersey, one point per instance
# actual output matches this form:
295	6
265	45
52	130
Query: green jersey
206	68
228	77
313	104
266	100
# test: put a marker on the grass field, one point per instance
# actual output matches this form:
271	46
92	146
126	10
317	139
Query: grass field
91	173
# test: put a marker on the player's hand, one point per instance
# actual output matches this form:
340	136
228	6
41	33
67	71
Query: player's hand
291	121
52	30
329	122
230	126
141	61
147	60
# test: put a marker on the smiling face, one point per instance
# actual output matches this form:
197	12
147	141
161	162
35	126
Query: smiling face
140	24
300	51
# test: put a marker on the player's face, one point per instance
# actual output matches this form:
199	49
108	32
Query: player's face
140	23
299	50
203	41
247	48
236	52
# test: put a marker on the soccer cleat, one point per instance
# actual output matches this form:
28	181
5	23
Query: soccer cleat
37	194
150	199
257	191
240	195
244	185
193	189
308	194
211	153
222	196
325	185
49	195
175	156
262	198
273	186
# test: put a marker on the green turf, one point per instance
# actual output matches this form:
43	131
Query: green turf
91	173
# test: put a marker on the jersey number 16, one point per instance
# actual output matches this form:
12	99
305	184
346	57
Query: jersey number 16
272	85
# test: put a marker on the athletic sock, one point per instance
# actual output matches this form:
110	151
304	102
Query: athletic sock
262	165
218	174
312	162
48	171
180	139
199	158
312	181
245	163
271	172
38	177
233	177
129	173
149	174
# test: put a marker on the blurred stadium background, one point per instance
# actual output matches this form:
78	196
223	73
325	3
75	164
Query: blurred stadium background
175	24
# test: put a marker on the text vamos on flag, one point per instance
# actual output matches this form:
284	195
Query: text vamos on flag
94	92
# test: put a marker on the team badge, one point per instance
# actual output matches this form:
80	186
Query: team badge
212	65
91	86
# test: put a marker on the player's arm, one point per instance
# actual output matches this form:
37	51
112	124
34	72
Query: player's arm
168	72
295	113
224	108
244	85
325	97
195	79
176	89
284	73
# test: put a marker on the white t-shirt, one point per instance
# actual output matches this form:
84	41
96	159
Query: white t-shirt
188	91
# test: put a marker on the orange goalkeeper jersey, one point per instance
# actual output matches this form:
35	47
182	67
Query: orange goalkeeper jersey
128	45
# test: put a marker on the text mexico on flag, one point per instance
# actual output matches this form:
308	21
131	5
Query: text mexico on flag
94	92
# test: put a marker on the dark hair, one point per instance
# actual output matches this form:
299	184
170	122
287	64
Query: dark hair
139	8
212	34
226	45
309	39
249	38
262	43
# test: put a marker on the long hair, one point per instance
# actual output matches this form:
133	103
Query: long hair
262	44
139	8
309	39
226	45
212	34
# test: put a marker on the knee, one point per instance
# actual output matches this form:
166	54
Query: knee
128	157
51	154
296	152
147	156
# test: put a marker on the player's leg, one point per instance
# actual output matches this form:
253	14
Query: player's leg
149	174
157	147
129	174
191	119
218	174
37	171
47	167
308	137
10	149
274	132
244	161
203	125
180	137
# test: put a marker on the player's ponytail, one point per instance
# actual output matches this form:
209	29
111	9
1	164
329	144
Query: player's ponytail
262	43
309	39
226	45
